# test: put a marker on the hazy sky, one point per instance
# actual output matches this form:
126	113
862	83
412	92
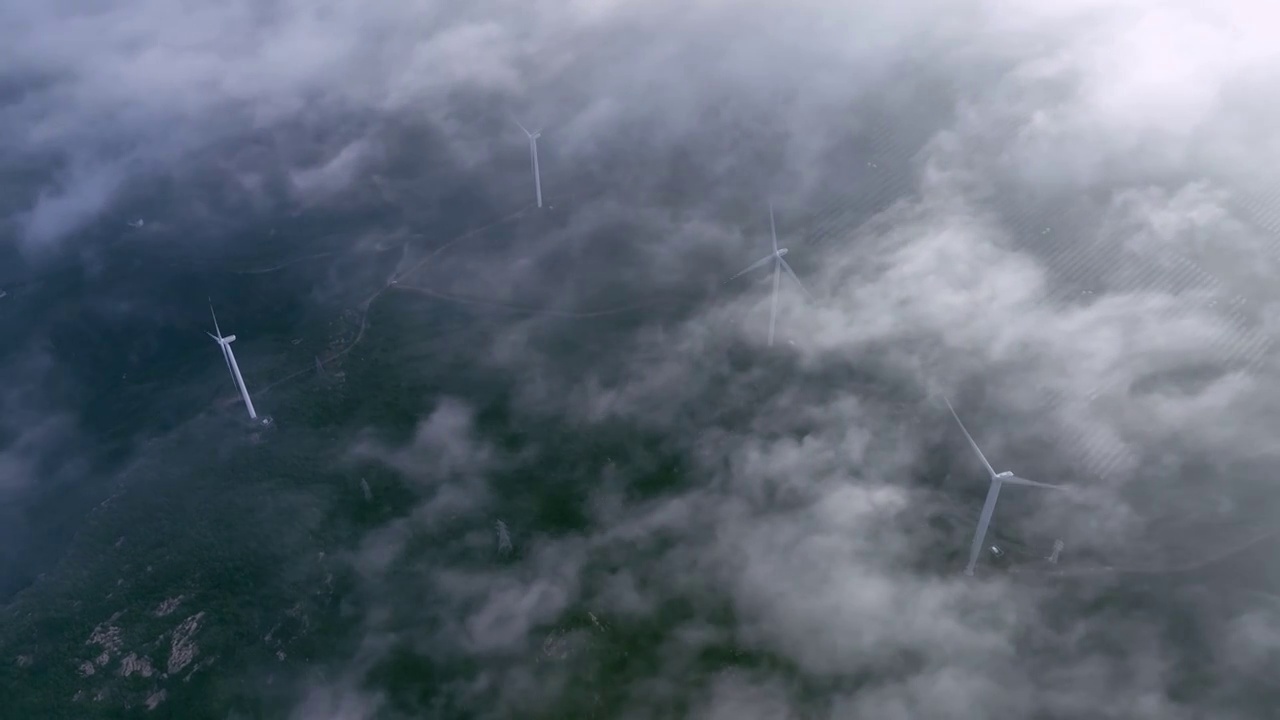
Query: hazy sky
1055	212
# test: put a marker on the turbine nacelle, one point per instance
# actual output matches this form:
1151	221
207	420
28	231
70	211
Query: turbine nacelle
781	252
1003	475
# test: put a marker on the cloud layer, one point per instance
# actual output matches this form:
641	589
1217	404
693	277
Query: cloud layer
1054	213
1066	253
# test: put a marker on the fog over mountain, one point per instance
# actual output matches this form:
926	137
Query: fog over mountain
543	462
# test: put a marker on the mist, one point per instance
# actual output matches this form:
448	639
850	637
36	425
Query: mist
1058	215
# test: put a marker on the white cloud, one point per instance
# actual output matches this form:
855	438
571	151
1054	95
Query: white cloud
1136	122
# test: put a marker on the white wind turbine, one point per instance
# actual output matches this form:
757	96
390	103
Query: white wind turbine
778	266
533	157
989	507
225	344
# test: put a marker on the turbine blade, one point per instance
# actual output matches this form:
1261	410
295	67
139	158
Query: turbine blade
792	273
537	176
226	357
1033	483
973	444
773	305
244	391
215	318
773	229
522	127
754	266
984	520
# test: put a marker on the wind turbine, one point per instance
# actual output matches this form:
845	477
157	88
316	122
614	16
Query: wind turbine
778	266
1057	550
989	507
230	357
533	157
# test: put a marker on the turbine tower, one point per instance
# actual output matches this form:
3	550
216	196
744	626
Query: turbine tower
989	507
778	266
230	357
533	157
1057	550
